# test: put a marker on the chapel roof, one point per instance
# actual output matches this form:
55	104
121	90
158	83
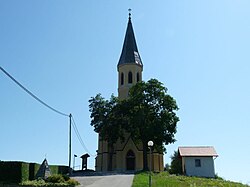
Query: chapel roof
130	53
197	151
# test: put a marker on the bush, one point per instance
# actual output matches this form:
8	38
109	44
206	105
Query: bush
73	182
66	177
167	167
62	180
55	179
39	182
43	183
218	177
176	164
52	181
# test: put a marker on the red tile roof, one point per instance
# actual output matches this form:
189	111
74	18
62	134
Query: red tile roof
197	151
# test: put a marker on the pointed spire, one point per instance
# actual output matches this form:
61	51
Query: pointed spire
130	53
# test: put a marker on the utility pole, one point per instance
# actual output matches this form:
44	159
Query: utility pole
70	119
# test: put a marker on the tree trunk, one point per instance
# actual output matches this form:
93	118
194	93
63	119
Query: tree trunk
145	156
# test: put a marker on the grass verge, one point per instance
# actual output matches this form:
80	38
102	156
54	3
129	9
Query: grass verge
164	179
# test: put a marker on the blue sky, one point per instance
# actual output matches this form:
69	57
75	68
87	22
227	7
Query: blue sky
66	52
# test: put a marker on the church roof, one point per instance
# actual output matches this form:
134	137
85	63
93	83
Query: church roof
130	52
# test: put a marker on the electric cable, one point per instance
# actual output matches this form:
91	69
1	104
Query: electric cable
80	138
31	94
51	108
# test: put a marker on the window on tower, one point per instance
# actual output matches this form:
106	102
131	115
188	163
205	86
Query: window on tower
138	77
122	78
130	78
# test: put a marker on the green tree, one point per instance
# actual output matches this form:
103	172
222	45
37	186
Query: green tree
176	164
106	120
167	167
147	114
151	116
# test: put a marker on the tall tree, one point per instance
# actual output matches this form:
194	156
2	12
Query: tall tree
151	115
147	114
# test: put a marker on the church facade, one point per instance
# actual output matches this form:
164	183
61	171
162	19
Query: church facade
127	155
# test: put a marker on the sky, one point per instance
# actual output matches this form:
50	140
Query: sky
66	52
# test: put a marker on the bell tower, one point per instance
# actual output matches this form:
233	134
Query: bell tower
130	65
126	155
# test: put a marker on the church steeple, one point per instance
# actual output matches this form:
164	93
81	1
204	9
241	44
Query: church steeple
130	54
126	155
130	65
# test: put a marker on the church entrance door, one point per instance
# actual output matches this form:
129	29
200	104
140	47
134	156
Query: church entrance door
130	160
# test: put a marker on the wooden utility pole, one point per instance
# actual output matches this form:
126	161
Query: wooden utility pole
70	119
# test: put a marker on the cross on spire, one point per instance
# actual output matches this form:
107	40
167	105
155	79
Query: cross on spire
129	14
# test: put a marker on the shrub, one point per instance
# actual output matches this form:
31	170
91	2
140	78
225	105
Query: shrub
43	183
218	177
176	164
66	177
167	167
62	180
73	182
55	179
39	182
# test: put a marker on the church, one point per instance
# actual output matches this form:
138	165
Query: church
127	155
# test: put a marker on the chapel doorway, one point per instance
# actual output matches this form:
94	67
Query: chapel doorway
130	160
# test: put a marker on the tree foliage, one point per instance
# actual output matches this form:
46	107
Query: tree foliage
152	114
106	118
147	114
176	164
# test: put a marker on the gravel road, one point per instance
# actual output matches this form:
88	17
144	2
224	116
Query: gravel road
106	181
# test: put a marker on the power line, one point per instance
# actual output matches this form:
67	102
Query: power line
80	138
48	106
31	94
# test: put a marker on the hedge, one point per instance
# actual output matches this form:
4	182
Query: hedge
16	172
33	168
58	169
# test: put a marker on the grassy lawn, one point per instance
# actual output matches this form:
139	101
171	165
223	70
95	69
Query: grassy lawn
165	180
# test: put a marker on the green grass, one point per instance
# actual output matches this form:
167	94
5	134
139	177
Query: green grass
163	179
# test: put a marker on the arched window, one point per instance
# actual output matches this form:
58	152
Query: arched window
122	78
130	78
138	77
